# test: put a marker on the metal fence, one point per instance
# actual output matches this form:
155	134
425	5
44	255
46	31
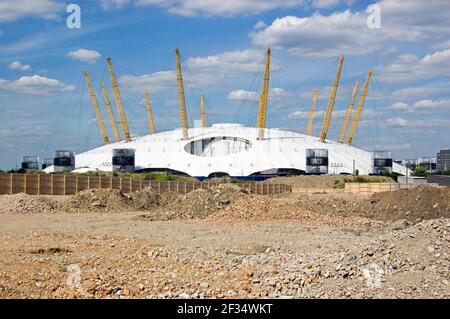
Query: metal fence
60	184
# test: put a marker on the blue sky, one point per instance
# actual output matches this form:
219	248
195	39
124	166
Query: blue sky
45	105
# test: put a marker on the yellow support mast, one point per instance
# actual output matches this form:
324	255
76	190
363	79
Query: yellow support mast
112	119
330	105
311	113
202	111
181	98
348	114
149	113
264	98
98	114
120	109
357	115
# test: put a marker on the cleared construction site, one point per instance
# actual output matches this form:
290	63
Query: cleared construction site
250	212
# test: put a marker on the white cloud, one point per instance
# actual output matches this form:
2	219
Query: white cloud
276	95
28	131
324	3
441	45
423	105
305	115
327	36
429	104
260	25
85	55
220	7
401	122
17	9
36	84
336	114
202	71
399	106
18	112
415	92
155	82
230	62
17	65
431	65
113	4
396	121
347	32
243	95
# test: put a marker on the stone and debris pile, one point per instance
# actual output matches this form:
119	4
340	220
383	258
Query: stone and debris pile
23	203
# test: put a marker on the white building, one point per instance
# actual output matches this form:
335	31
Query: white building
234	150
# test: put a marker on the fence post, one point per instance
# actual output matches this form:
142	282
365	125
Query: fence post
76	184
159	187
140	184
110	182
89	182
39	184
64	184
131	185
185	187
10	183
25	184
120	184
178	185
52	188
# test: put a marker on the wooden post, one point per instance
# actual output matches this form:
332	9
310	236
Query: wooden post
131	185
110	183
10	183
178	185
64	184
120	184
185	187
25	184
159	186
89	182
76	184
140	184
52	187
39	184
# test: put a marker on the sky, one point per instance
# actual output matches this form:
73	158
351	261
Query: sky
45	104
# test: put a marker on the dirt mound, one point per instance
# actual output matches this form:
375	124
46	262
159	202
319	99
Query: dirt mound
413	205
100	200
23	203
199	203
105	200
259	207
145	199
422	202
308	181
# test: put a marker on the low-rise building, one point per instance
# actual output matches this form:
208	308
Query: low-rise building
443	160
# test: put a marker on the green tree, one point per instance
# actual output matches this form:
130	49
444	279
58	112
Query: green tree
420	171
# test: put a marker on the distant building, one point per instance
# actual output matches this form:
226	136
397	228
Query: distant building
429	163
30	163
443	160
